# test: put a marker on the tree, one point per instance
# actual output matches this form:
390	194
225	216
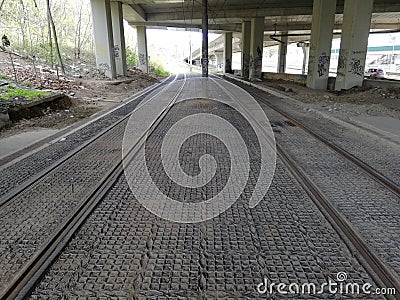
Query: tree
53	26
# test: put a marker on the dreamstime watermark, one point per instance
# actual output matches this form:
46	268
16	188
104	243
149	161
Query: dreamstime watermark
216	147
333	287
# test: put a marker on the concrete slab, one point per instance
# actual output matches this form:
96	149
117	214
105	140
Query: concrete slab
387	124
20	141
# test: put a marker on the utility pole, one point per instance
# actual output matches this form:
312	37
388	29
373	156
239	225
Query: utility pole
204	59
190	54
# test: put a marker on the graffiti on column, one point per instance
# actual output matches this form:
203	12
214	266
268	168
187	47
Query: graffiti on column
142	59
355	52
258	63
342	63
356	68
116	50
104	67
323	64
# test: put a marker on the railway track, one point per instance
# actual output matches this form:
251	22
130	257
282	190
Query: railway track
26	279
370	171
21	171
384	276
18	189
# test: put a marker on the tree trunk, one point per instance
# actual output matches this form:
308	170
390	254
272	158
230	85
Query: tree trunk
50	39
55	37
78	35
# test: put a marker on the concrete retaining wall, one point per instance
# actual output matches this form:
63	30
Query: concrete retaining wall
386	84
297	78
33	108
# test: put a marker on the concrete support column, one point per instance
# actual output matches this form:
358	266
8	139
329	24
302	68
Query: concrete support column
204	47
228	52
219	59
353	48
282	53
103	37
323	21
256	48
246	35
306	55
143	58
119	38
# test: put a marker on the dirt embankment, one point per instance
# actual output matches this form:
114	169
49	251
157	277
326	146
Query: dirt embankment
357	101
89	92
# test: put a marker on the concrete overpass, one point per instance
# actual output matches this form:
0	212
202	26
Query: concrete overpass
252	23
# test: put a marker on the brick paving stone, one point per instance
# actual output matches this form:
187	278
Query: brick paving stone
125	252
19	172
30	218
372	210
380	154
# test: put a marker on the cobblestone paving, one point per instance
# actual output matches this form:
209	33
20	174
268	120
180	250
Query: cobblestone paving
123	251
378	153
29	219
19	172
370	208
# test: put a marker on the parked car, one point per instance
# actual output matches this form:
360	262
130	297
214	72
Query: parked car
375	73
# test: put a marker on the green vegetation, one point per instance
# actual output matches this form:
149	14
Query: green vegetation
131	57
3	76
158	69
10	92
29	28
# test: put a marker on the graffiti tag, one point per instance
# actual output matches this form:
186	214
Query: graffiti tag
356	68
323	64
142	59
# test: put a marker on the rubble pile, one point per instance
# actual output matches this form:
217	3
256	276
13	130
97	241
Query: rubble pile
390	93
42	79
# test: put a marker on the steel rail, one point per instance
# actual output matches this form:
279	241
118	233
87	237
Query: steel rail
17	190
26	280
367	169
384	276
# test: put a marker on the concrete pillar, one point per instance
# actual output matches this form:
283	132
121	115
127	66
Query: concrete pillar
256	48
306	55
228	52
103	37
204	46
219	62
246	35
143	58
323	21
282	53
119	38
353	48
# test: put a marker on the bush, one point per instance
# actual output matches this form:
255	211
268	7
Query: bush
158	68
131	57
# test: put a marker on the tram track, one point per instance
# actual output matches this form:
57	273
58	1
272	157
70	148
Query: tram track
383	274
26	279
24	170
367	169
4	199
